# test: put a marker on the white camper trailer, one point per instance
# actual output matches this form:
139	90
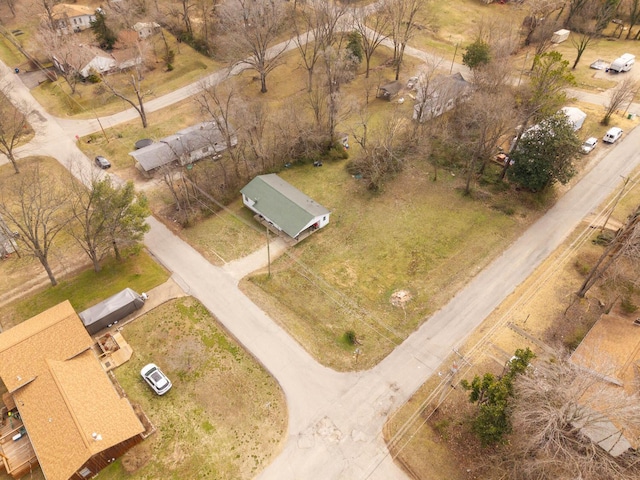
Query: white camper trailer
623	64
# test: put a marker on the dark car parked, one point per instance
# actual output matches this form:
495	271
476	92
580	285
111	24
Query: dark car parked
102	162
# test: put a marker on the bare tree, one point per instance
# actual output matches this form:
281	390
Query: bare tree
575	8
580	42
560	413
621	94
68	57
339	68
221	104
136	85
186	16
403	17
625	243
88	226
360	128
373	29
605	14
14	126
488	116
316	28
539	18
543	35
47	6
257	26
12	6
256	118
381	156
35	207
633	7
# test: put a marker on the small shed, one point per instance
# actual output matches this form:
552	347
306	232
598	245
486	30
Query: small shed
389	91
560	36
575	116
111	310
284	207
146	29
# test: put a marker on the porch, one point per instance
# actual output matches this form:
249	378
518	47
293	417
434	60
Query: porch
289	240
16	451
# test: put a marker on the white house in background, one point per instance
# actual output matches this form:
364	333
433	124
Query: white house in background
575	116
283	207
72	18
184	147
438	95
86	59
146	29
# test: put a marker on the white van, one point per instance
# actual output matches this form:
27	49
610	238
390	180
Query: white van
613	134
623	64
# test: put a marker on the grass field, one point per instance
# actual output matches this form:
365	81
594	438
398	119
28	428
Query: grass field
539	308
420	236
24	276
138	271
224	418
65	256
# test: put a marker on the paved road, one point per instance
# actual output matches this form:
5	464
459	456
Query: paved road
336	418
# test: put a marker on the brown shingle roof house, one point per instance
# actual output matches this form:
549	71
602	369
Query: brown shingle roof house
74	417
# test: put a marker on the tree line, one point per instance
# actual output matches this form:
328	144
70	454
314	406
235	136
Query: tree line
101	216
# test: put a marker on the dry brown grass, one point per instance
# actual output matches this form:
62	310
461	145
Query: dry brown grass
547	310
224	418
66	256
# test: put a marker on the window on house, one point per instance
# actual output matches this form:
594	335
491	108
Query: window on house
324	219
75	21
85	472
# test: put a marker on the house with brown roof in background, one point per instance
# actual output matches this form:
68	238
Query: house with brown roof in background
61	409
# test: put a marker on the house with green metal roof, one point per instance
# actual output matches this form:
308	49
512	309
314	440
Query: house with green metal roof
282	207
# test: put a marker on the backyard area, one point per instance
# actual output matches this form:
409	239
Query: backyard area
543	314
224	418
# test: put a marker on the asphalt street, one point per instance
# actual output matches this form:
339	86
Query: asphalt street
336	419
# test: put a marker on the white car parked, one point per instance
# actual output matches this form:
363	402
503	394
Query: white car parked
589	144
157	380
613	134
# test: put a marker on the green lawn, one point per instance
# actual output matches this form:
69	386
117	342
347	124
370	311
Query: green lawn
138	271
421	236
225	416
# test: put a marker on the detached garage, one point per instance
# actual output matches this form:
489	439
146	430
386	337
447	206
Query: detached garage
111	310
284	208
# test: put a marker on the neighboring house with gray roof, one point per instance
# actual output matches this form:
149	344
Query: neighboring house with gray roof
283	206
184	147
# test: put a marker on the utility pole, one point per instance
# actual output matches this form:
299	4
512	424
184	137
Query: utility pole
454	58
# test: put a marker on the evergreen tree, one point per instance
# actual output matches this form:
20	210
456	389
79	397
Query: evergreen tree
103	33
